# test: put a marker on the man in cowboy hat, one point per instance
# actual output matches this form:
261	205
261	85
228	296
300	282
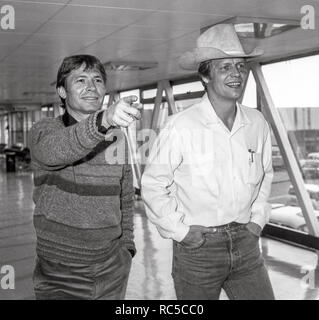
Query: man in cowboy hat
209	177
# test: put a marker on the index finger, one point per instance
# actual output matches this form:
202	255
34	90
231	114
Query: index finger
131	110
130	99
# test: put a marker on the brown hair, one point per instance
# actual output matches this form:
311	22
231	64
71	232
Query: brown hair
75	62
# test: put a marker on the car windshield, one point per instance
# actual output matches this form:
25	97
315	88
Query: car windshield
313	156
314	195
311	165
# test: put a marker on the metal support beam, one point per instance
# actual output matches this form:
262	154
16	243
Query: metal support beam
131	141
170	97
2	129
157	105
286	151
25	128
136	166
11	128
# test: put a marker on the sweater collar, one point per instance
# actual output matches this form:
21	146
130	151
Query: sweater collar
68	120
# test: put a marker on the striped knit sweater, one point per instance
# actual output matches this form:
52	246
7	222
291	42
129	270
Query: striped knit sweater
83	205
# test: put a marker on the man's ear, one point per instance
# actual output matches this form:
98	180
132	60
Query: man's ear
205	79
61	92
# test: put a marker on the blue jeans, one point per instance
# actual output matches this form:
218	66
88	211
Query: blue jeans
229	258
107	280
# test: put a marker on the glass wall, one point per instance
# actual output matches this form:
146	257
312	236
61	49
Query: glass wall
4	126
293	88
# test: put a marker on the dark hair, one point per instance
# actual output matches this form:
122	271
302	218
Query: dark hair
75	62
204	70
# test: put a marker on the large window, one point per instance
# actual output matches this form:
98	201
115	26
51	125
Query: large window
293	88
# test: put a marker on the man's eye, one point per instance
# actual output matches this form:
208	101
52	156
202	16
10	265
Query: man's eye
98	80
80	80
225	68
242	66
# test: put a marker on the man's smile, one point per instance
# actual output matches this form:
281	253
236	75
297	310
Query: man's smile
90	98
234	84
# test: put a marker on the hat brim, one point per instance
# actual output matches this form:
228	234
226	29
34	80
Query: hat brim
191	60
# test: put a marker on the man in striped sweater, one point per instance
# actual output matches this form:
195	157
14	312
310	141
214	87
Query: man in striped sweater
83	200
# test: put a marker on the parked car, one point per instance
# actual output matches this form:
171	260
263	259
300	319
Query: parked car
277	160
310	168
289	216
313	156
313	191
2	147
21	153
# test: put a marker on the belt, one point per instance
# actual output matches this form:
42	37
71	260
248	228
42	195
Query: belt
228	226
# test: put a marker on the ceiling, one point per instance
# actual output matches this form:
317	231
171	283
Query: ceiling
131	30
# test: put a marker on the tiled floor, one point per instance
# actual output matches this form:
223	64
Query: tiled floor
150	275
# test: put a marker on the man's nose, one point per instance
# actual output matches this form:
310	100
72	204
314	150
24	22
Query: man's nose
91	86
235	72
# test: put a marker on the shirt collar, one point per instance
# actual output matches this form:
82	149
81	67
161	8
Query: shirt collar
68	120
211	117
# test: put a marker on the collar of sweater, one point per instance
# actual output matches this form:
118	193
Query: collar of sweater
68	120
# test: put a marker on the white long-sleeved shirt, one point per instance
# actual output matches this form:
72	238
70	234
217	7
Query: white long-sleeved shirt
200	173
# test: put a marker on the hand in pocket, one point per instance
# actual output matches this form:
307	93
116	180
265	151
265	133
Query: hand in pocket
195	237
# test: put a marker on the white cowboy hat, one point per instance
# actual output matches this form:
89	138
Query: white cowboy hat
218	42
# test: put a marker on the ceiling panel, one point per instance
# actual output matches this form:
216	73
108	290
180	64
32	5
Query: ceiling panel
13	2
68	42
181	20
133	4
287	8
217	7
12	38
134	30
76	29
35	10
27	26
163	32
122	47
163	52
298	40
99	15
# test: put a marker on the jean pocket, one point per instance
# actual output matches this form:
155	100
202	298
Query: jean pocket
194	246
255	236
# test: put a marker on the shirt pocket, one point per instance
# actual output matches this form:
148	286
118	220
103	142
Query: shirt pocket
255	168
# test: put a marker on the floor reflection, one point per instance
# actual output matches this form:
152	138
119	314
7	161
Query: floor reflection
150	276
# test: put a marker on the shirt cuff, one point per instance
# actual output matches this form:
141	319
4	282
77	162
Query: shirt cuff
101	128
260	213
180	232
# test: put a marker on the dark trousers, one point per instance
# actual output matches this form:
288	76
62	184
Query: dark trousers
105	280
229	258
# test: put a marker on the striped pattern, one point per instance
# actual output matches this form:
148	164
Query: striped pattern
82	204
80	189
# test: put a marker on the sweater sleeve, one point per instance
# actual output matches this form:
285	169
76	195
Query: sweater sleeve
127	207
54	146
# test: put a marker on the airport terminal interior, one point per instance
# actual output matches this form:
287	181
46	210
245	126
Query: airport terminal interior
139	42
